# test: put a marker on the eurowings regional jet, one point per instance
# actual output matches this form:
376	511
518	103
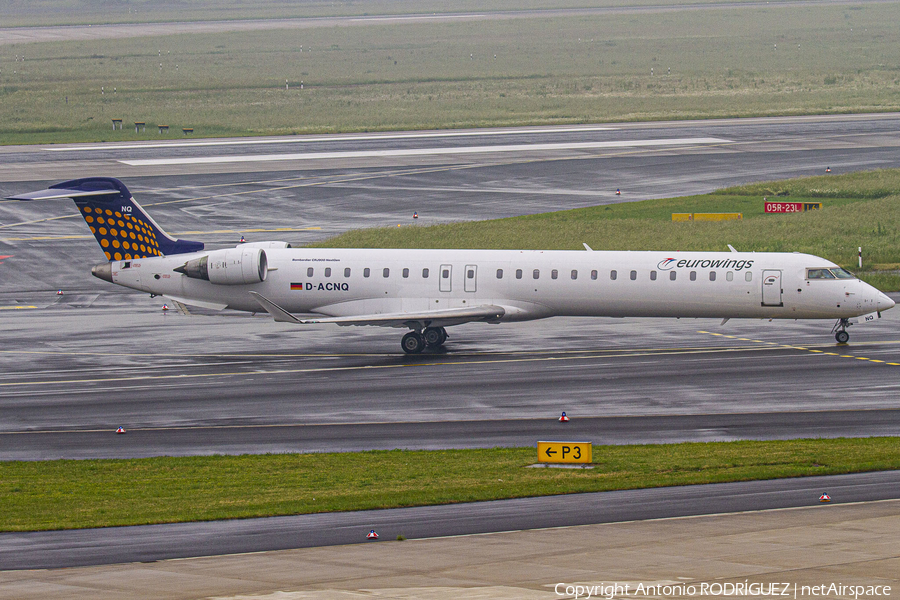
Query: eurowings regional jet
427	291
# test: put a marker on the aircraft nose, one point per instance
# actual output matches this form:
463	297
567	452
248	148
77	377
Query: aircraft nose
884	302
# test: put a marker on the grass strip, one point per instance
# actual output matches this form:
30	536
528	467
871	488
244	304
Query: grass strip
384	74
859	210
67	494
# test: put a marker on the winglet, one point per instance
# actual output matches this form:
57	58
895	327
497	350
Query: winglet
730	247
278	313
588	248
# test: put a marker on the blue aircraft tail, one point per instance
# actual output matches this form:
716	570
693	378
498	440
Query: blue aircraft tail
122	228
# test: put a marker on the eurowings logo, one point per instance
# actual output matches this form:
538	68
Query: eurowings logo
665	264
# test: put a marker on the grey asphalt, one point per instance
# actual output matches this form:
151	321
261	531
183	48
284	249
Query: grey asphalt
56	549
75	367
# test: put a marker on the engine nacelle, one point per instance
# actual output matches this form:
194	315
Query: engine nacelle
265	245
235	266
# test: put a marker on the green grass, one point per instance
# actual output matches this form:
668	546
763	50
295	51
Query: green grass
859	209
94	493
390	76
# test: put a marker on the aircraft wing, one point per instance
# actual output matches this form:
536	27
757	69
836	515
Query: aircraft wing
427	318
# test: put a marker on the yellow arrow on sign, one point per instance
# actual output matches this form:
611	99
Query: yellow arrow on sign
564	452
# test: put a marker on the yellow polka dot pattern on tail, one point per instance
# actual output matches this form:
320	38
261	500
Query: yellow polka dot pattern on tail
129	237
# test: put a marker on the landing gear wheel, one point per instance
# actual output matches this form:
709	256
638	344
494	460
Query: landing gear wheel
435	336
842	337
413	342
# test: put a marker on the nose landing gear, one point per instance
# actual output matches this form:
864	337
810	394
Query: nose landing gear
840	331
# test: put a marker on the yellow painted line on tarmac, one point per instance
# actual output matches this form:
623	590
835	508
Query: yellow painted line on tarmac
21	307
257	373
813	350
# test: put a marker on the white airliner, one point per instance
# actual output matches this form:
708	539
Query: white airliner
427	291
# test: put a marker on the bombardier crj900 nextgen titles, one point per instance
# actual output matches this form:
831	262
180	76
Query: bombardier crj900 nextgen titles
427	291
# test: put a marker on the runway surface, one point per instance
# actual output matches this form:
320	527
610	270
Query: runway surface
25	35
75	367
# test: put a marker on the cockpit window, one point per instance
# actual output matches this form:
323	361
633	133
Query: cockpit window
819	274
842	273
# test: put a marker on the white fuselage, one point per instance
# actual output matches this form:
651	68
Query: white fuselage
528	284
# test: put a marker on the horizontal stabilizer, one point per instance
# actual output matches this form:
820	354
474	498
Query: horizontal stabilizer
60	194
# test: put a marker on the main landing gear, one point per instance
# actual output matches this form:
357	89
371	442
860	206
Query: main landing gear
431	337
840	331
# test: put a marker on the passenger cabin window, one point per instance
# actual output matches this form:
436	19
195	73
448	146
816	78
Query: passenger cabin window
445	274
554	274
574	274
729	276
309	272
652	275
518	273
633	275
499	273
712	275
613	275
425	273
693	275
327	271
470	274
672	275
405	273
594	274
386	273
366	272
536	274
347	272
748	276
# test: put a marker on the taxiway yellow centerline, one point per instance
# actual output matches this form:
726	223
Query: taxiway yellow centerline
811	349
631	354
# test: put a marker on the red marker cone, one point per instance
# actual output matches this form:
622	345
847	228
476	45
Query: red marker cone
824	498
828	169
59	293
372	535
564	418
120	430
415	215
618	192
165	307
242	239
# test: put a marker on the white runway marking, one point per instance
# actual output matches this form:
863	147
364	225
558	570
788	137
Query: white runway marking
333	138
421	152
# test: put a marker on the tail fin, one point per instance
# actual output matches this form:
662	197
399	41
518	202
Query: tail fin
122	228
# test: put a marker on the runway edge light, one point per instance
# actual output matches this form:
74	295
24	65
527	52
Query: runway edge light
120	430
564	418
825	498
372	535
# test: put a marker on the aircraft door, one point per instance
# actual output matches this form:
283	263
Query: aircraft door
445	277
471	278
771	288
